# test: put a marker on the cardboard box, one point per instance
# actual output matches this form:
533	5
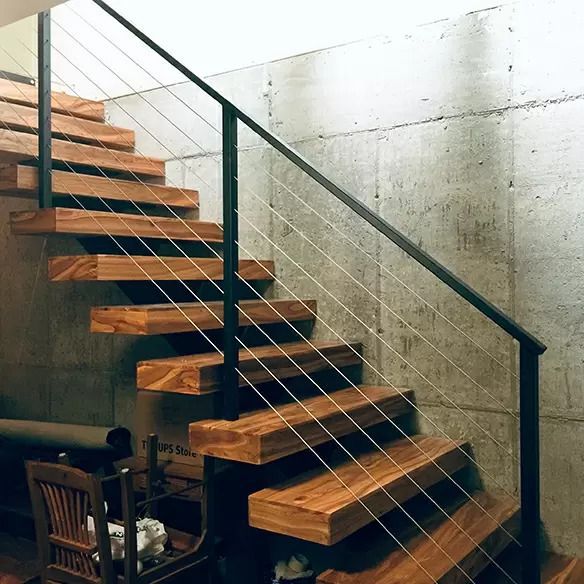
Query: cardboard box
169	416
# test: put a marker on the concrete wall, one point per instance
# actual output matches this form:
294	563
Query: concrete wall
199	35
51	367
465	134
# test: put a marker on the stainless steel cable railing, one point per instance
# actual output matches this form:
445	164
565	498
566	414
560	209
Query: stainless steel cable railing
466	454
214	315
299	367
271	406
530	347
257	197
272	177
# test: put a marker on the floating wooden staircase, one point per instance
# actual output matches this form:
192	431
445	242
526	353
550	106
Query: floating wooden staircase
95	161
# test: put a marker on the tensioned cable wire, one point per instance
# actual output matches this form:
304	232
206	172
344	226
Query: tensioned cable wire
392	312
396	503
391	348
356	424
162	85
394	462
360	356
251	385
396	315
371	330
300	369
335	404
473	422
272	341
357	388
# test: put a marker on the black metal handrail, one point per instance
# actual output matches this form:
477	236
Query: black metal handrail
530	346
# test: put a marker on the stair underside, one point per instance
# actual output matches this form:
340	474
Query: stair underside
316	507
25	119
159	319
112	268
20	93
199	374
23	180
262	436
20	146
79	222
425	559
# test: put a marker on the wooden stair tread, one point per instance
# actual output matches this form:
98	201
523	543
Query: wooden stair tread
79	222
23	94
316	507
22	118
398	567
20	146
23	180
262	436
109	268
563	570
159	319
199	374
556	569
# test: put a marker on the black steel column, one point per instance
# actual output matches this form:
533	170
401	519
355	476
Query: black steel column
44	110
530	472
230	264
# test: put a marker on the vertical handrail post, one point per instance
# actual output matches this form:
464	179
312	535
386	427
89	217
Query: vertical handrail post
44	110
530	465
230	265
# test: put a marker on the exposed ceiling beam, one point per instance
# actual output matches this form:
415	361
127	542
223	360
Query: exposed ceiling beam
13	10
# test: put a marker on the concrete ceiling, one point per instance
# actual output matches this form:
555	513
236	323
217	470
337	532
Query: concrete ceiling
13	10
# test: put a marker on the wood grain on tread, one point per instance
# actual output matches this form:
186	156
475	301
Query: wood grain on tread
203	373
79	222
110	268
316	507
24	180
24	94
428	562
19	146
556	569
159	319
563	570
262	436
22	118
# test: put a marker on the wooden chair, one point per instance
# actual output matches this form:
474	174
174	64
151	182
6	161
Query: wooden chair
63	497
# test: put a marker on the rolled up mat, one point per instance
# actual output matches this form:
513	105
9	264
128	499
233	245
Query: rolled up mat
25	433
